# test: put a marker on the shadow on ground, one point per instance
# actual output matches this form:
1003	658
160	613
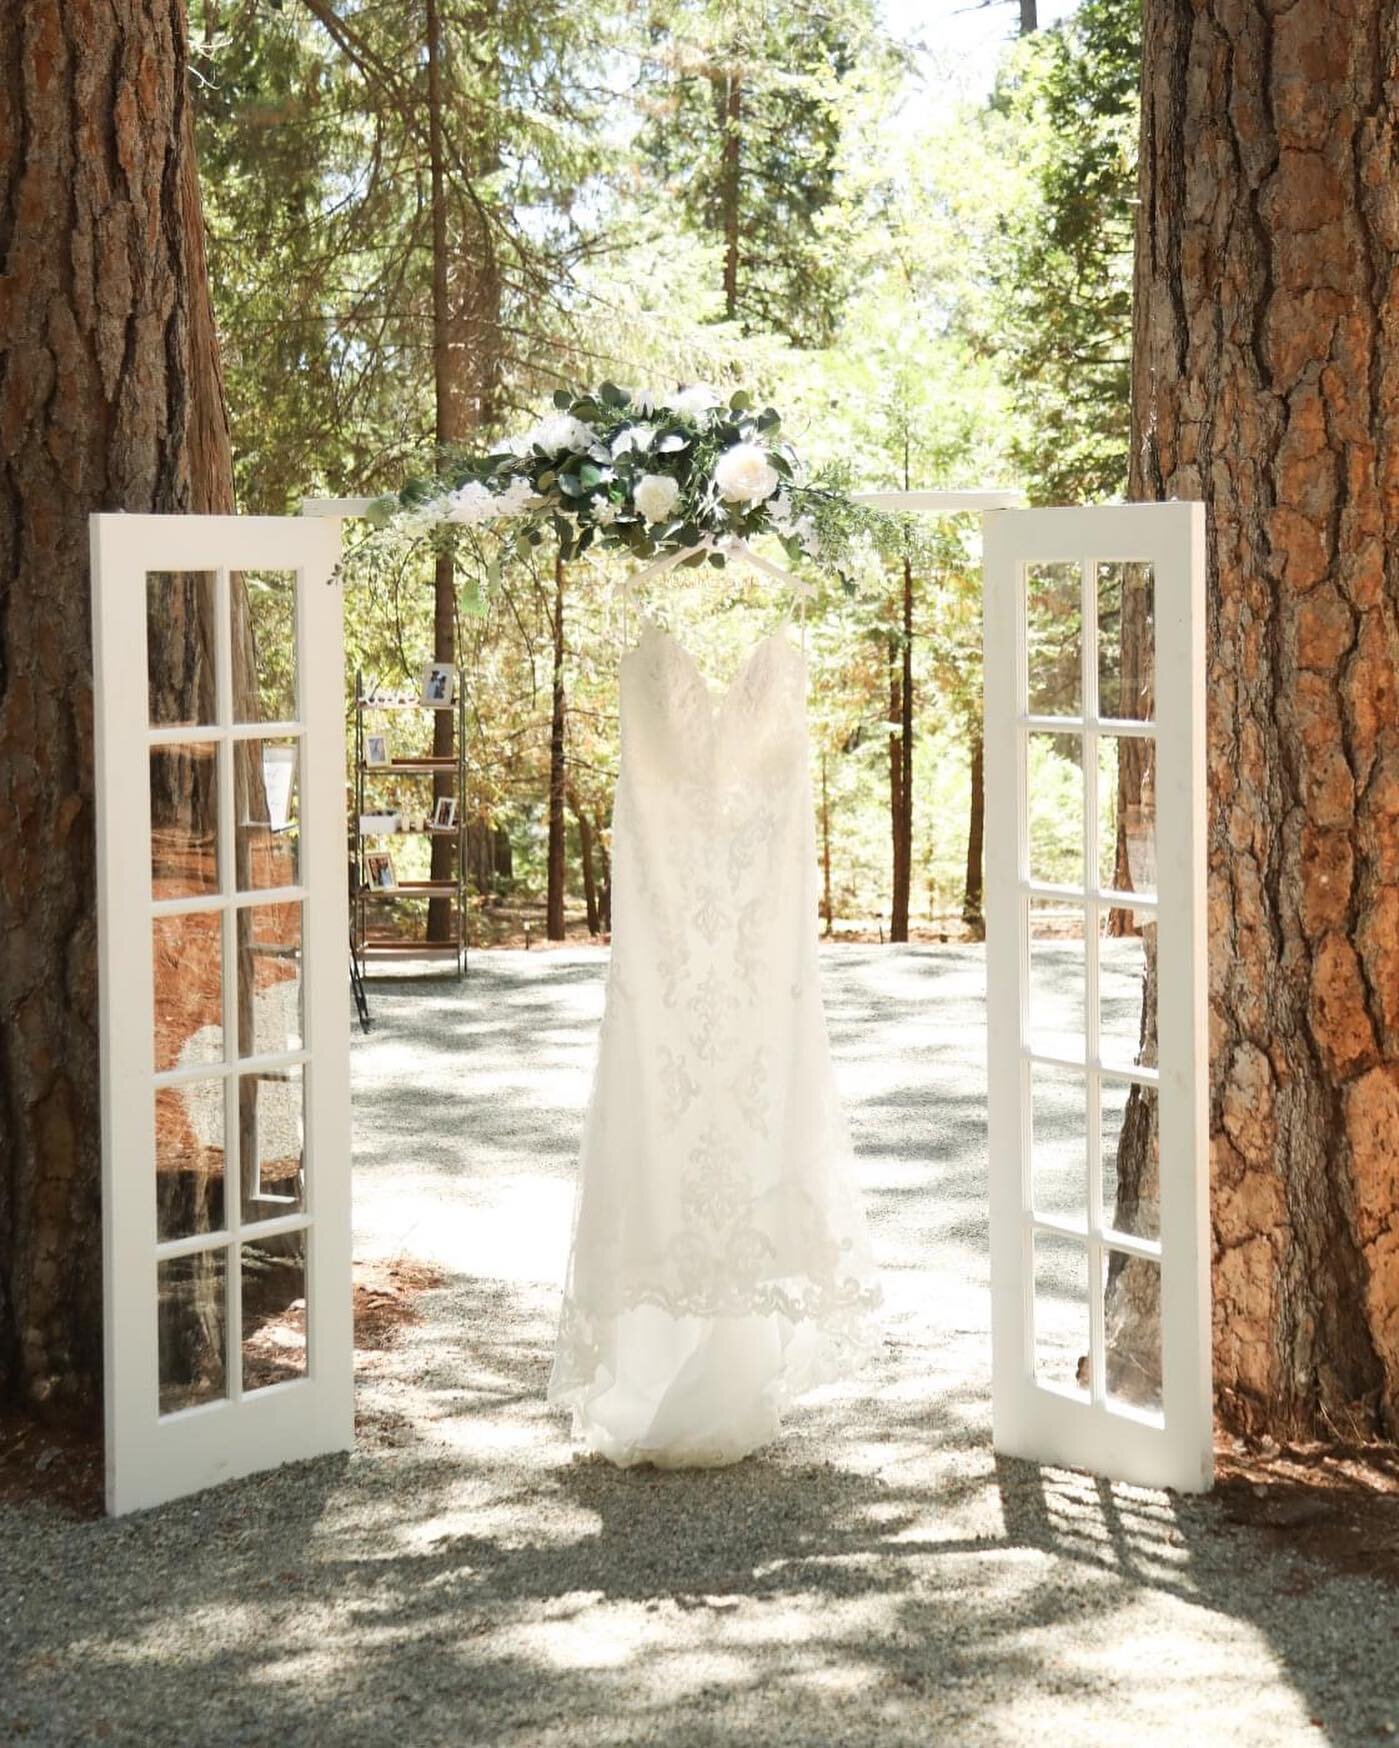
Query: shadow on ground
877	1577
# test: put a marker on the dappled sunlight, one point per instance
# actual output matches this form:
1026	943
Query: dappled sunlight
465	1575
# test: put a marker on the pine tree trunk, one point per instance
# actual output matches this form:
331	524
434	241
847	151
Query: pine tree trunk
447	366
558	776
973	914
828	901
729	102
1266	381
112	400
585	859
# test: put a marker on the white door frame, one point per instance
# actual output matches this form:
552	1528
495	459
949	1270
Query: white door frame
152	1457
1032	1419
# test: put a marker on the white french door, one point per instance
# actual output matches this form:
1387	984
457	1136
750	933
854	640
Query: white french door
222	921
1095	913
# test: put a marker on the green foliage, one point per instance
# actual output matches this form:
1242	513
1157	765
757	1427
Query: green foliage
746	108
1066	108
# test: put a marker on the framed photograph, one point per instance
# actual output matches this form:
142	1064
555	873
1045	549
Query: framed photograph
444	815
439	683
379	870
376	749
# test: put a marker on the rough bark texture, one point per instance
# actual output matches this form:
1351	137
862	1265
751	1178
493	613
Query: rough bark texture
110	399
900	836
1266	381
446	358
558	776
973	890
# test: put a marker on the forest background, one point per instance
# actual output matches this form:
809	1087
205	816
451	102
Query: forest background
425	217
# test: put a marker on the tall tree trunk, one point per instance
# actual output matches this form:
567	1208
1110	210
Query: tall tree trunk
898	809
447	356
112	400
729	103
827	900
558	775
605	865
1266	381
585	858
904	876
1029	17
973	914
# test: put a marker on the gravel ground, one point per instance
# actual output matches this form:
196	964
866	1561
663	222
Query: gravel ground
877	1577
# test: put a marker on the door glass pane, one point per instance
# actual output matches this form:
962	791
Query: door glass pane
189	1138
1132	1321
1127	814
1131	1159
1126	642
1126	994
274	1310
1054	785
180	648
1059	1142
270	1129
264	645
1054	638
1061	1311
1057	979
187	962
266	794
269	978
184	820
192	1323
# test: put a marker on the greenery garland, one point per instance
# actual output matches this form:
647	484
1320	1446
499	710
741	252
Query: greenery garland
682	474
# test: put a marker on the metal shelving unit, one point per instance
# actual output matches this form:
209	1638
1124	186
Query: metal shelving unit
367	943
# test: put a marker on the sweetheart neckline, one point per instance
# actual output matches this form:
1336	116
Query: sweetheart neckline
717	699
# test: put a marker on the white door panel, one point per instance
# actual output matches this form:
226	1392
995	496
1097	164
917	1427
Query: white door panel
222	920
1095	787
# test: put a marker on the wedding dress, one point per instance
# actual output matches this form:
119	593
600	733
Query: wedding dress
720	1264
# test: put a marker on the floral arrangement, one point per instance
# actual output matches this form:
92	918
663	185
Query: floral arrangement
683	475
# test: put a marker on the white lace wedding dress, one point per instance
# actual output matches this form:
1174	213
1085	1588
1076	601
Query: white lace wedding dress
719	1265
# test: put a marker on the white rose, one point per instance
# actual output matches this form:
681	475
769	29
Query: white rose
516	499
645	401
744	475
561	432
694	402
604	511
656	495
471	504
637	437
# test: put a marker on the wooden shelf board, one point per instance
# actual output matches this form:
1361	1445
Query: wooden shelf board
412	889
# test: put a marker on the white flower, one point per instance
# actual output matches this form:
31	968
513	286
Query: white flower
645	401
604	511
637	437
516	498
471	504
744	475
780	509
561	432
694	402
656	495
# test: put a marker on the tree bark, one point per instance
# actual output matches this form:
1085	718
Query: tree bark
1029	17
898	802
585	858
558	775
973	914
828	901
1266	381
449	429
729	102
110	399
